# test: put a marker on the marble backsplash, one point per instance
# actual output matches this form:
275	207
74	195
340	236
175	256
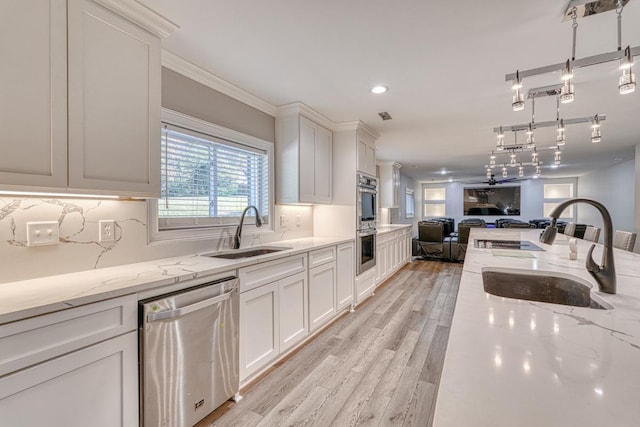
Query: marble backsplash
79	248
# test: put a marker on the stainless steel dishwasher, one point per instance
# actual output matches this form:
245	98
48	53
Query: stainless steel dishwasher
188	353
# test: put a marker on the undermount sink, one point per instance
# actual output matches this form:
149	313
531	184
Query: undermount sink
248	253
541	286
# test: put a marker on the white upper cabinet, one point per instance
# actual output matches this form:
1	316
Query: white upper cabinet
366	154
303	156
390	185
33	88
100	134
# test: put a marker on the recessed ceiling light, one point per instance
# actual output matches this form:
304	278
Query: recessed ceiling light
443	171
379	89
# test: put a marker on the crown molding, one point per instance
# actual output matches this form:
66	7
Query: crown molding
306	111
358	126
142	16
187	69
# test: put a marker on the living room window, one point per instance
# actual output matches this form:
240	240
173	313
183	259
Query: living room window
434	202
209	175
410	204
556	193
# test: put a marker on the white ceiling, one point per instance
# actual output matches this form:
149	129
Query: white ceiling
444	63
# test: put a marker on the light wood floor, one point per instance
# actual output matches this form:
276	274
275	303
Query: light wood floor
378	366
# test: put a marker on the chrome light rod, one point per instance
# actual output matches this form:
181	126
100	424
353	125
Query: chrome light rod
578	63
549	123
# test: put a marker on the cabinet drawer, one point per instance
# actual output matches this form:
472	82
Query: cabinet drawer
263	273
322	256
27	342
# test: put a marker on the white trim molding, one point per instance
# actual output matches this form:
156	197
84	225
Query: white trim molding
359	126
142	16
192	71
299	108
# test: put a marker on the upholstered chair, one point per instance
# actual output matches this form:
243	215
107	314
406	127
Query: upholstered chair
624	240
591	233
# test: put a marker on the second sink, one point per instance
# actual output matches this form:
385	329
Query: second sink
541	286
247	253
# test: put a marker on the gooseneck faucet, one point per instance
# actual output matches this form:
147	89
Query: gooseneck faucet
236	238
604	275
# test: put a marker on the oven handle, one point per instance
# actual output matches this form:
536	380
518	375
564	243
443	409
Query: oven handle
178	312
367	190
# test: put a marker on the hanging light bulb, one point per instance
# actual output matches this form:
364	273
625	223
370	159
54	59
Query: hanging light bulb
504	172
596	135
492	156
530	136
557	158
500	143
561	138
518	99
627	82
566	94
534	157
488	173
521	171
492	163
538	171
512	163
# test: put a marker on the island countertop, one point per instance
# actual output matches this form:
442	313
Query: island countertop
512	362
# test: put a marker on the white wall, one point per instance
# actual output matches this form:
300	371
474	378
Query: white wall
637	196
614	187
398	215
531	199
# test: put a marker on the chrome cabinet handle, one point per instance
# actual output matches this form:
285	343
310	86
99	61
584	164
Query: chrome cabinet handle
178	312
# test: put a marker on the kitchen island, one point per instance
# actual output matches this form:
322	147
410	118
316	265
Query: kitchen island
512	362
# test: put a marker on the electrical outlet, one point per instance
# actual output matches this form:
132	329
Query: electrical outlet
107	231
283	220
43	233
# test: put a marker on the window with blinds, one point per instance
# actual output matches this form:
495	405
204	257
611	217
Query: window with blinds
208	181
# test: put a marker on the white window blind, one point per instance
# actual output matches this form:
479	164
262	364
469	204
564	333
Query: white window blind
208	181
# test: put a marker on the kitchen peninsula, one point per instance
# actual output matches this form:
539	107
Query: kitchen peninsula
526	363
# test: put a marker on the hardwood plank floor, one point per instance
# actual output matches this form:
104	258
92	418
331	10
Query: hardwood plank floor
378	366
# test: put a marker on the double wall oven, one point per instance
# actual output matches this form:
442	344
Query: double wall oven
367	208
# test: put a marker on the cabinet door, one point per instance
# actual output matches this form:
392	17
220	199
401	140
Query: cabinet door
293	308
96	386
33	84
345	275
371	160
323	166
307	144
114	103
322	297
259	332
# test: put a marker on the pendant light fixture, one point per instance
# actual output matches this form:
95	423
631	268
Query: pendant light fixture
520	171
628	79
504	172
561	139
518	98
557	156
627	82
596	135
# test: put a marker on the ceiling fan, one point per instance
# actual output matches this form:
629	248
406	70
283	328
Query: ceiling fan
494	181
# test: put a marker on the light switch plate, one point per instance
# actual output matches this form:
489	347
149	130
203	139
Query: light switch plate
43	233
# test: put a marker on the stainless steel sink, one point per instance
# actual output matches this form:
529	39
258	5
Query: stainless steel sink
248	253
541	286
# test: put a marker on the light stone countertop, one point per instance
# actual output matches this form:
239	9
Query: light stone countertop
27	298
387	228
521	363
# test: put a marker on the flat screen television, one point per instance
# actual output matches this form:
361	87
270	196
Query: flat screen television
499	201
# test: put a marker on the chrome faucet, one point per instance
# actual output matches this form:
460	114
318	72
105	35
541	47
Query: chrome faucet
236	238
605	275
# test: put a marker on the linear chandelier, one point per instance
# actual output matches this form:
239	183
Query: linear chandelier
516	149
627	81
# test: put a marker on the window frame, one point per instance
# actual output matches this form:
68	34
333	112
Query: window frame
409	194
192	124
570	213
427	201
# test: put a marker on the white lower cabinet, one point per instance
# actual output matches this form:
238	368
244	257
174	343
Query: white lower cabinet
365	285
293	308
345	275
393	250
322	299
72	368
95	386
259	328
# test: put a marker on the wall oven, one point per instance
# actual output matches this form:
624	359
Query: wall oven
367	203
366	250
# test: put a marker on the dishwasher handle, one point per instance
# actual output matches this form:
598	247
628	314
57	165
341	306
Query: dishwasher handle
178	312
